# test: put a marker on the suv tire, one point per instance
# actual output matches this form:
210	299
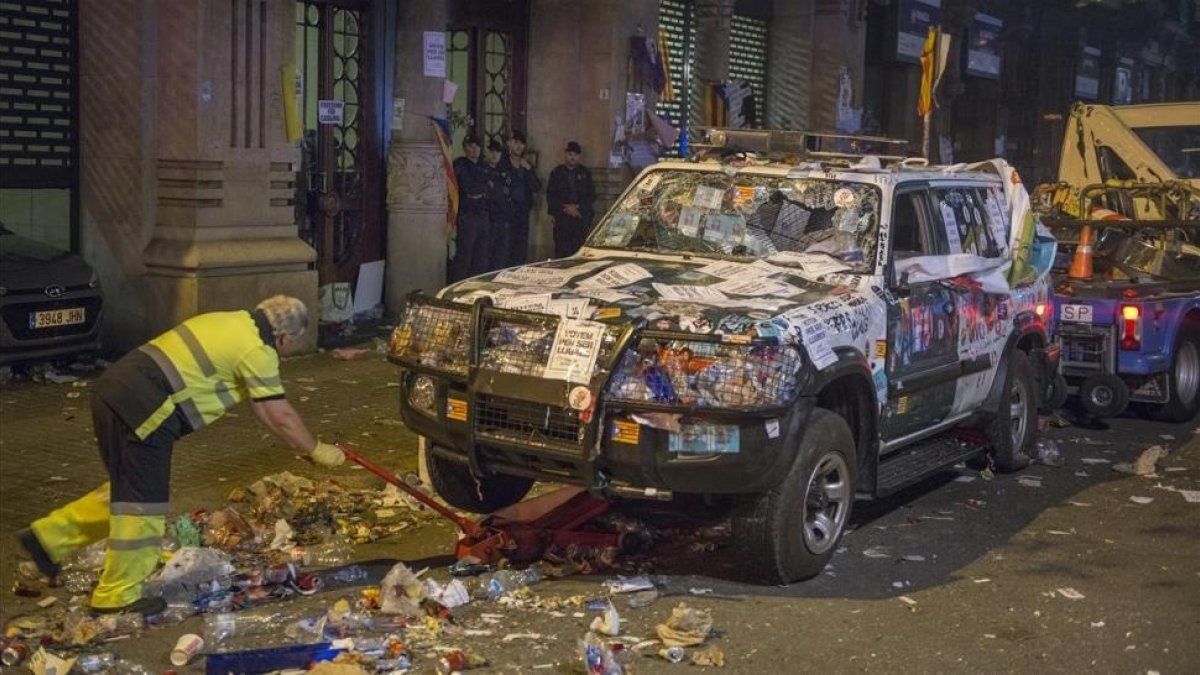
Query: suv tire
789	533
1055	395
1011	431
1183	377
454	483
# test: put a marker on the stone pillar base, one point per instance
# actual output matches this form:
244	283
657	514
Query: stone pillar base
188	278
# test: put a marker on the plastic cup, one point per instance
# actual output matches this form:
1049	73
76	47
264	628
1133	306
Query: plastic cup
186	648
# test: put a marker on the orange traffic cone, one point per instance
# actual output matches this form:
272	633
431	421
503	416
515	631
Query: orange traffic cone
1081	264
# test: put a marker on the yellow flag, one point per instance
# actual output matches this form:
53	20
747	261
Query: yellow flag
928	62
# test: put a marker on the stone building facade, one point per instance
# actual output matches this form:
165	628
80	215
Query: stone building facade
225	150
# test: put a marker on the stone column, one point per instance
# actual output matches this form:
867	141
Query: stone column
839	46
713	19
789	64
224	233
416	196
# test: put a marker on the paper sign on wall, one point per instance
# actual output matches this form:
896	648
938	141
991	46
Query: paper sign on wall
951	223
435	54
330	112
573	354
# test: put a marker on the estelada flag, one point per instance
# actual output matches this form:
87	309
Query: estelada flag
928	63
441	129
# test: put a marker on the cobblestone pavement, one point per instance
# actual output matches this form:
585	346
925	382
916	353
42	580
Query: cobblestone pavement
954	575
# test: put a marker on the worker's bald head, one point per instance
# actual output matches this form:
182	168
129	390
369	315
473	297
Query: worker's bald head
287	315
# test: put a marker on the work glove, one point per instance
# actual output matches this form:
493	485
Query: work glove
327	455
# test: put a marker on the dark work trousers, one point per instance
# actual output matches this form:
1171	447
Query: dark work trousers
140	470
569	235
470	252
498	237
518	238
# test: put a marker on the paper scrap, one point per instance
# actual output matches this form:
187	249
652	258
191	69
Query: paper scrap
812	334
620	275
689	221
708	197
755	286
571	308
539	302
573	354
1070	593
1141	500
683	293
1191	496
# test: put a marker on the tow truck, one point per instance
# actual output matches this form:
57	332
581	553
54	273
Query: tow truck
1126	212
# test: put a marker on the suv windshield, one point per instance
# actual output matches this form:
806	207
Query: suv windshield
678	211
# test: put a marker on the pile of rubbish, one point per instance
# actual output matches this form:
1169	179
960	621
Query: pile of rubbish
288	537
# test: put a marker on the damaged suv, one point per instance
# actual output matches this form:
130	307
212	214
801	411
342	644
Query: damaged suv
794	335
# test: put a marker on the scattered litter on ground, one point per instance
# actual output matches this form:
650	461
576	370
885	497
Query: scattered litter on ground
1070	593
709	656
982	580
913	558
687	626
1097	624
1141	500
964	479
1146	463
1095	460
1075	503
1030	481
877	552
1046	451
907	600
1061	532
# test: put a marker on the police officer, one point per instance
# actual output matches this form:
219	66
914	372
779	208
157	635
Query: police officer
180	381
470	255
500	208
526	185
569	197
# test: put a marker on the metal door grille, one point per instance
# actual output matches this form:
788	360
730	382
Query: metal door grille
38	85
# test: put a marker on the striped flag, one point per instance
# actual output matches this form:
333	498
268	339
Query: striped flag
441	129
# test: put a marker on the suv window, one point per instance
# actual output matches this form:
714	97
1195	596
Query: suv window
909	239
967	223
745	215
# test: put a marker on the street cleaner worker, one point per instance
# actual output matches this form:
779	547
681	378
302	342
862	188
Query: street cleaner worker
173	385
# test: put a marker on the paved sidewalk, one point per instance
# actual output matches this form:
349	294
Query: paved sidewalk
48	454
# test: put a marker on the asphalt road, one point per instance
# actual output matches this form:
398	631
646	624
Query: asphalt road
957	574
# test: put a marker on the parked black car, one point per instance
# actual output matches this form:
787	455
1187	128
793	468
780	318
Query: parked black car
50	301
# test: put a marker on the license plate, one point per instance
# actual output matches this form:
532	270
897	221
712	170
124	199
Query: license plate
53	318
1077	313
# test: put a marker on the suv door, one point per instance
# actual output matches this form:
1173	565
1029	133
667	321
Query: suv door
974	227
922	355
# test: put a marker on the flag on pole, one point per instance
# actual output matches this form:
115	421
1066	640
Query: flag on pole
441	129
928	66
934	54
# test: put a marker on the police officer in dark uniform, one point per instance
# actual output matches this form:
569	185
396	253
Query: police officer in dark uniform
526	185
569	197
500	208
472	224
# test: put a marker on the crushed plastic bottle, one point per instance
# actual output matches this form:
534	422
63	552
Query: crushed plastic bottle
218	628
349	575
499	584
598	659
1046	451
78	580
333	553
95	663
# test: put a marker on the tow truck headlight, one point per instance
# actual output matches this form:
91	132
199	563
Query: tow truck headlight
706	374
422	395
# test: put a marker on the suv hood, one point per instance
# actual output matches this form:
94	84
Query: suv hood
658	291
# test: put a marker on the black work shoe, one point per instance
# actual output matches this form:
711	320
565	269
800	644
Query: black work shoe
33	547
143	606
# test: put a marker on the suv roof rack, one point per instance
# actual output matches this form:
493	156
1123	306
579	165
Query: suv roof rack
807	145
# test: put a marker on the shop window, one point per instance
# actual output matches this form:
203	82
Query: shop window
39	121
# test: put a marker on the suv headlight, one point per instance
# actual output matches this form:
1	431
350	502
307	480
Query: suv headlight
422	395
433	337
706	374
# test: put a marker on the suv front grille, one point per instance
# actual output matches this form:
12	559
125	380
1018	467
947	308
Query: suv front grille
528	423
